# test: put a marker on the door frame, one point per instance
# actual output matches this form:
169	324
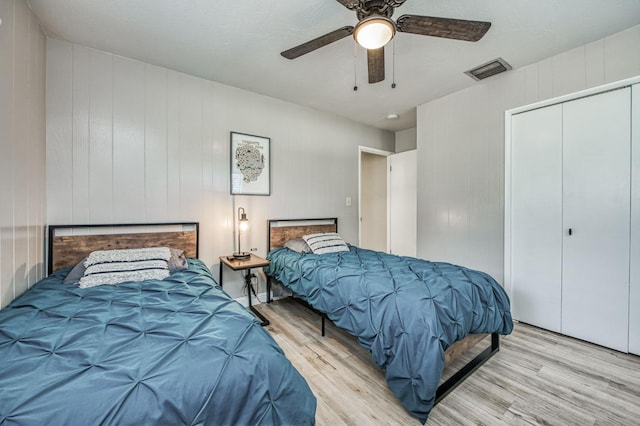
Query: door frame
375	151
507	157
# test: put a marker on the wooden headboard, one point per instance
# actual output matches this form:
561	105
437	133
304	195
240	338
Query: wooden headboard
69	244
283	230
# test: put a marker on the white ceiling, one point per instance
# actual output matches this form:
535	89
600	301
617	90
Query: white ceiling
238	42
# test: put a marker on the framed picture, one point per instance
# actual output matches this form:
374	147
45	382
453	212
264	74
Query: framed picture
250	164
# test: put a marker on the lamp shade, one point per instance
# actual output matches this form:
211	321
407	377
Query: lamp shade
243	226
374	32
243	222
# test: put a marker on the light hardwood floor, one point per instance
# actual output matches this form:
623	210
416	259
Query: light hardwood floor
538	377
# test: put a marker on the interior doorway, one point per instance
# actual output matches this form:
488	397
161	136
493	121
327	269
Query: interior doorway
373	199
387	204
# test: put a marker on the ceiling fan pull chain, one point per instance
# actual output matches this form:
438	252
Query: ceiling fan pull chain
355	73
393	69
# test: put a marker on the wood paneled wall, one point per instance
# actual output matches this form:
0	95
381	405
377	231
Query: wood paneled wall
22	149
461	147
132	142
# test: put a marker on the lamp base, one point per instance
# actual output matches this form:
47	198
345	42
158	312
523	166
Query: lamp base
241	255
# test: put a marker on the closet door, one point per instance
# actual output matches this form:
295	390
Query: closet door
536	216
634	291
596	218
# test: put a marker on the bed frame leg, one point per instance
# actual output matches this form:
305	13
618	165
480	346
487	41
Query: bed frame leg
452	382
268	289
300	301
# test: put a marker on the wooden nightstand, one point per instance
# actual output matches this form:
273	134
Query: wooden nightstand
241	265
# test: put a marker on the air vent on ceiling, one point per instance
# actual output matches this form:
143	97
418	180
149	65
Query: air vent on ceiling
487	70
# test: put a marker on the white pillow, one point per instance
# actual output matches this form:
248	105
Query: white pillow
128	255
117	266
328	242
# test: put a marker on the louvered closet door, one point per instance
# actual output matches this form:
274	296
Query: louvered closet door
596	208
536	217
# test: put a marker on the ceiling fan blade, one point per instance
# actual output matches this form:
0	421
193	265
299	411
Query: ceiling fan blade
349	4
375	62
457	29
317	43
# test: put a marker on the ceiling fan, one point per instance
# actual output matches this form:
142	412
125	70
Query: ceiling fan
375	29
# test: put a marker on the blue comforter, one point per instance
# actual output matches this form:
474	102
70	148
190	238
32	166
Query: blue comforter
176	352
405	311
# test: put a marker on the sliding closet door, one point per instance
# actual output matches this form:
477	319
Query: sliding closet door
536	216
634	292
596	218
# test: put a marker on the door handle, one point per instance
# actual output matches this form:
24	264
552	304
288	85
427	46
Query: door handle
570	231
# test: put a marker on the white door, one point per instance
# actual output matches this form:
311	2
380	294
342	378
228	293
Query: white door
536	217
596	218
403	203
634	291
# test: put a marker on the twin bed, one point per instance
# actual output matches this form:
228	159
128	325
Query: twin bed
172	351
180	351
413	315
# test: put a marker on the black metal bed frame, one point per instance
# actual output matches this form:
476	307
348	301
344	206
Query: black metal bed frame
444	388
448	385
452	382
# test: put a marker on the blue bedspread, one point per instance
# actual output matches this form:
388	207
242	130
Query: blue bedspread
405	311
175	352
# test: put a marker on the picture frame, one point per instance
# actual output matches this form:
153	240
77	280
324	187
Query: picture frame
250	164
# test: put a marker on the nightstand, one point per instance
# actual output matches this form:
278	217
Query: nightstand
246	265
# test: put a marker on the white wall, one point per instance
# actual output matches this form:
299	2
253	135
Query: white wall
132	142
22	149
406	140
461	147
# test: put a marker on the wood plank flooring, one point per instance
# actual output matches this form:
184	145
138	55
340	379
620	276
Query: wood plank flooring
538	378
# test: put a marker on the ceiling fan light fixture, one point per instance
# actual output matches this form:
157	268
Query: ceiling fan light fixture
374	32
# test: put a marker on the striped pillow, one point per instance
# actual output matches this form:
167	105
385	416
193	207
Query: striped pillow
329	242
118	266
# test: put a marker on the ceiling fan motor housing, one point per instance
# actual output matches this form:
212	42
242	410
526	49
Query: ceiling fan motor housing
376	7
